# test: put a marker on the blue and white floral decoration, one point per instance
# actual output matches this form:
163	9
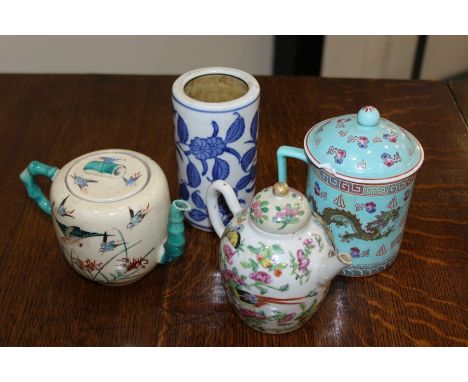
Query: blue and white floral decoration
211	152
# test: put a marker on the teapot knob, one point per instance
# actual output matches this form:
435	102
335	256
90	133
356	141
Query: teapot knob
368	116
280	189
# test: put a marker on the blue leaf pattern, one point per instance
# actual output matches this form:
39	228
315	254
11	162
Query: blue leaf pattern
247	159
183	191
253	127
182	130
205	167
253	172
213	153
233	152
198	215
236	130
193	176
243	183
215	129
198	201
220	169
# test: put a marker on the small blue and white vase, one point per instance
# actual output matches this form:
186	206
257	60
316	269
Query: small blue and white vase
215	140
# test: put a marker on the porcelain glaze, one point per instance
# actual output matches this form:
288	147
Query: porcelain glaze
110	212
275	278
363	146
362	170
215	141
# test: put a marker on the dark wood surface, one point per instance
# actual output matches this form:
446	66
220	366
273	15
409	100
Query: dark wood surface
421	300
459	90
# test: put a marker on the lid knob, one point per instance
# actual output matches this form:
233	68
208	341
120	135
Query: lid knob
280	189
368	116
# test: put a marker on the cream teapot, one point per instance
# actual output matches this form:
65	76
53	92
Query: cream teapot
112	214
276	258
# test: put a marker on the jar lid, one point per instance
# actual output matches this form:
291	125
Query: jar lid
363	147
280	210
107	176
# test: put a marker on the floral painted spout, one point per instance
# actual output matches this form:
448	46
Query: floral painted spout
330	267
175	245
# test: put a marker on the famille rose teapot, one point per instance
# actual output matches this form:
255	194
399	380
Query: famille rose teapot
277	259
112	214
362	170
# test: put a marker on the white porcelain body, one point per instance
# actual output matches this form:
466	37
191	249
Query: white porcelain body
215	141
137	244
274	282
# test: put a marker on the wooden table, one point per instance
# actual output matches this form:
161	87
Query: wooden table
421	300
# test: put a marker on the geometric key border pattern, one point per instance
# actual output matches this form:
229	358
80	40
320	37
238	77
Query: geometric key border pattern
362	189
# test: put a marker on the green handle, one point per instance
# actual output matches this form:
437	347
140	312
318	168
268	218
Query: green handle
34	192
288	152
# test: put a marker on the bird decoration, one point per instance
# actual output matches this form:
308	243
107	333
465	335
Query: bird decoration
131	181
234	235
136	218
259	301
82	182
74	234
62	211
108	246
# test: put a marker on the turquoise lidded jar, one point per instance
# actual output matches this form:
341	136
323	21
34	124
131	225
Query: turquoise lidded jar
362	170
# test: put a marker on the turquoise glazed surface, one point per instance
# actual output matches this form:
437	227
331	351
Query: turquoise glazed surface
362	170
367	221
36	168
363	146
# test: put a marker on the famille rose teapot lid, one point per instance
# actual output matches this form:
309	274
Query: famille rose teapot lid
280	210
363	147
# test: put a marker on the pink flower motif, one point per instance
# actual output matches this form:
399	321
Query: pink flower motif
370	207
308	243
340	153
228	252
286	212
252	314
362	142
355	252
303	261
287	318
230	275
256	209
388	162
391	137
260	276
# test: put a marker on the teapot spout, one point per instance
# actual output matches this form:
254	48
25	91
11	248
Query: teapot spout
332	266
175	244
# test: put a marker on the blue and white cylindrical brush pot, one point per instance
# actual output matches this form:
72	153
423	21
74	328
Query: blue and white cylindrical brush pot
216	132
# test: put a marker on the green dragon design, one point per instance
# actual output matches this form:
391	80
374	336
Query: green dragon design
373	230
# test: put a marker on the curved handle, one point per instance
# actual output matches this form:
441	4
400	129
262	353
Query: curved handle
212	195
284	152
34	192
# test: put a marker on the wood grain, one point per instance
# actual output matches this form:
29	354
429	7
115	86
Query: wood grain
459	90
421	300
